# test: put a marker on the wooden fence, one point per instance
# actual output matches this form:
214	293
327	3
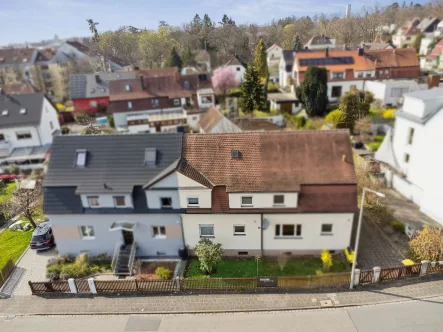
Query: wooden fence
237	285
6	271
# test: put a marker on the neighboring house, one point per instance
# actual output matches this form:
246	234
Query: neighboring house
273	55
285	68
410	164
406	34
255	124
433	31
428	25
24	87
16	65
203	60
238	66
94	196
90	92
284	102
28	123
350	69
376	46
194	117
390	92
434	60
213	121
82	53
320	42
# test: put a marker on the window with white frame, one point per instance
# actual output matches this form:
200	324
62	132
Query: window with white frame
80	160
87	232
360	74
23	135
130	104
337	76
176	102
399	92
155	103
239	230
193	201
326	229
279	199
246	201
288	230
93	201
206	230
119	201
159	232
166	202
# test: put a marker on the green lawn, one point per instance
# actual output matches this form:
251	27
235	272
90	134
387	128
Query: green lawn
6	192
248	268
13	244
374	146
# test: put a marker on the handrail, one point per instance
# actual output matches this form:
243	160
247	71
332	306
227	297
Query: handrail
131	257
115	257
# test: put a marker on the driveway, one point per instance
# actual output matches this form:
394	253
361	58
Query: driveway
32	266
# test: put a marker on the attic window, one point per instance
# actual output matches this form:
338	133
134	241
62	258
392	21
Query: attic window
235	154
128	87
80	160
150	156
5	112
23	111
186	84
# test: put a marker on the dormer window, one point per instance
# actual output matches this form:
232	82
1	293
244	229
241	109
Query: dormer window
150	156
23	111
128	87
5	112
235	154
80	160
129	104
186	84
155	103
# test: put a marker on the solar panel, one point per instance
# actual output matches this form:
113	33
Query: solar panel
347	60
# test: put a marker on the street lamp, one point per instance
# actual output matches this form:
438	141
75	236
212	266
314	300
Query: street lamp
354	263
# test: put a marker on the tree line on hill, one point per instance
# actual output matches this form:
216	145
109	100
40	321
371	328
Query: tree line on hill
222	39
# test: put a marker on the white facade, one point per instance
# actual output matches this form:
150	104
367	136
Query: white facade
391	92
106	201
342	87
273	55
284	76
206	98
410	151
194	121
239	72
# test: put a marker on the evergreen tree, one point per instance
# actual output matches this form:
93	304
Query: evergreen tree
313	91
226	20
251	91
297	43
260	62
187	55
174	60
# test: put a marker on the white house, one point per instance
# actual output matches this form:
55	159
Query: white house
390	92
238	66
410	161
28	123
273	55
285	68
320	42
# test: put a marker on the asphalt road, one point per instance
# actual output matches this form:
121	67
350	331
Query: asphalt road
415	316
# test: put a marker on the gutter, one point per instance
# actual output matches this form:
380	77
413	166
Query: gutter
261	234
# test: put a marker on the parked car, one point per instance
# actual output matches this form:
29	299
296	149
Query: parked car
42	237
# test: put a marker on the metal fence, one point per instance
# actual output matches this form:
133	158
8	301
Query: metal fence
6	271
400	272
49	287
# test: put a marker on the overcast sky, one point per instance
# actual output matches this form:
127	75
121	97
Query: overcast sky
34	20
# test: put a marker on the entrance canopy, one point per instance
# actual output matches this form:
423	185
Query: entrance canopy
123	225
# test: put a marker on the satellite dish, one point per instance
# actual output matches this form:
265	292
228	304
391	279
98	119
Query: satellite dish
265	223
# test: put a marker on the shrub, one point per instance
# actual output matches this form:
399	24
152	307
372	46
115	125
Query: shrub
209	255
65	130
428	244
335	116
398	226
74	271
163	273
389	114
326	259
82	259
53	272
13	169
272	87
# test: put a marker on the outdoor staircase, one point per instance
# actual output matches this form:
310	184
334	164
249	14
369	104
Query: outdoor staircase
123	259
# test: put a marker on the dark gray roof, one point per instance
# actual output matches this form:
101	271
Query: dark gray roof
319	40
289	56
62	200
95	85
32	103
114	163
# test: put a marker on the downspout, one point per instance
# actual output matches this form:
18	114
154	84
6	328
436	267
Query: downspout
183	231
38	134
261	234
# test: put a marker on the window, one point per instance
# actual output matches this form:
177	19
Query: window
192	201
51	125
150	156
119	201
235	154
239	230
411	136
399	92
380	72
287	230
87	232
176	102
45	67
246	201
206	230
93	104
159	232
386	72
93	201
166	202
129	104
5	112
326	229
336	92
368	74
206	99
2	137
336	76
238	68
360	74
128	87
186	84
80	160
407	158
155	103
279	199
23	135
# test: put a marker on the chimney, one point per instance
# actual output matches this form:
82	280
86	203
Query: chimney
142	82
348	11
327	52
343	158
97	78
361	51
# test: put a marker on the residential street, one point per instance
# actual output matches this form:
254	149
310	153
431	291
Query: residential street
406	317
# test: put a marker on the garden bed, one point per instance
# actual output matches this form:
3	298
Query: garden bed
235	268
147	269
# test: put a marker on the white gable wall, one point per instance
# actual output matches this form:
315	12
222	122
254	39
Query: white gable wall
49	117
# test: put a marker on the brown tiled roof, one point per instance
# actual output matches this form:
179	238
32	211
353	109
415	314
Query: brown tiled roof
19	88
16	56
248	124
210	119
186	169
158	72
272	161
165	86
397	57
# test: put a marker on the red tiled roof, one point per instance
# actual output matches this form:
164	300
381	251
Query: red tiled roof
436	51
397	57
158	72
360	62
255	124
272	161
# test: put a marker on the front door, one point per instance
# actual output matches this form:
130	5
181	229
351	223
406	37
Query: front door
128	237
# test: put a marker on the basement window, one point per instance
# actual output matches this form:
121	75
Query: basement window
243	253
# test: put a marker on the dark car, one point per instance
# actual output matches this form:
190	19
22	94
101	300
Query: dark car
42	237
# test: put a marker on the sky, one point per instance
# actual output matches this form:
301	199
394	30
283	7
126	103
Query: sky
34	20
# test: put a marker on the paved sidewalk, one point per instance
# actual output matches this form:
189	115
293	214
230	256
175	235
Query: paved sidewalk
412	289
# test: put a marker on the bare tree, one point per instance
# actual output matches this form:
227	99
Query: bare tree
25	201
